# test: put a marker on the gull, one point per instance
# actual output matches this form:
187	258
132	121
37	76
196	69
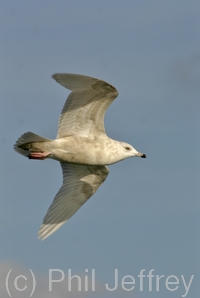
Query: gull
81	146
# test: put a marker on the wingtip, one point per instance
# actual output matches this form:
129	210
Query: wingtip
47	229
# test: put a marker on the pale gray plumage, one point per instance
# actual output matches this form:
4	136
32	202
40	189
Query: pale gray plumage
84	110
81	146
79	184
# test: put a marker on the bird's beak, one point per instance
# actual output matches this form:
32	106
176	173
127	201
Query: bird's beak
139	154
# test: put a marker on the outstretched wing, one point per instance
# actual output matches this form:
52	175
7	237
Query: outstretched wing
85	107
79	184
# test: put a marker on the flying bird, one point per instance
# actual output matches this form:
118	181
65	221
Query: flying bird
81	146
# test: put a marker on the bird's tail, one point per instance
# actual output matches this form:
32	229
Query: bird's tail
25	142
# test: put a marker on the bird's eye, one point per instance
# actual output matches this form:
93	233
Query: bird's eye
127	148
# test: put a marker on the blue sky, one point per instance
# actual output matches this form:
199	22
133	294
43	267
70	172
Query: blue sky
146	214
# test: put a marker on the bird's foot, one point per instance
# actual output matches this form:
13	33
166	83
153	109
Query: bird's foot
38	155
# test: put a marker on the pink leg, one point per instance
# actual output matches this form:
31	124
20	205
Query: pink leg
38	155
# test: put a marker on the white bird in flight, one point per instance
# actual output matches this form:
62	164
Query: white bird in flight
81	146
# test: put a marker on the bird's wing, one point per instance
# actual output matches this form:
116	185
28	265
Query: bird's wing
79	184
85	107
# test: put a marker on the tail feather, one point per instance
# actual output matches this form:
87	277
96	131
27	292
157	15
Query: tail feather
28	137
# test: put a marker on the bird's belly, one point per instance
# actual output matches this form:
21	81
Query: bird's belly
74	157
79	153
